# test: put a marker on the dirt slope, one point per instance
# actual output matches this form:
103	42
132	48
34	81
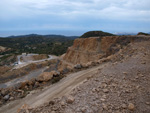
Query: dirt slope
85	50
120	87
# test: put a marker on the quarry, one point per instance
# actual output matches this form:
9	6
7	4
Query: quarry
99	74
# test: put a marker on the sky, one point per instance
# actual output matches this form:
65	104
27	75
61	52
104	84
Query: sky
73	17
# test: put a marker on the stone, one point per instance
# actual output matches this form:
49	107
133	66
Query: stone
125	73
83	110
46	76
1	102
23	85
4	92
104	96
89	64
70	100
84	65
11	98
124	106
62	103
53	112
36	84
103	85
148	103
131	106
51	102
6	97
102	99
104	106
69	68
105	90
94	90
78	66
143	62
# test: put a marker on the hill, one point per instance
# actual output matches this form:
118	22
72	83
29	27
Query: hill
42	44
141	33
95	34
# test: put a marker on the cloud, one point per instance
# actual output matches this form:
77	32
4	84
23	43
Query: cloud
69	13
107	8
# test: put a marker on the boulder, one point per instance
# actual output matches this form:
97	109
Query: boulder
70	68
70	99
84	65
78	66
89	64
36	85
131	106
4	92
6	97
23	85
46	76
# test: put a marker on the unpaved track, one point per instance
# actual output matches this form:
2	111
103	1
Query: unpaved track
56	90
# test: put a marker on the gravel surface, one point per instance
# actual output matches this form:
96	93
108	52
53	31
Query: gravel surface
121	87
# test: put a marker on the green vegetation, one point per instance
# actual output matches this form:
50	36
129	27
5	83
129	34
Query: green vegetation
141	33
95	34
42	44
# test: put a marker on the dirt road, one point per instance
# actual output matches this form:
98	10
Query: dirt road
56	90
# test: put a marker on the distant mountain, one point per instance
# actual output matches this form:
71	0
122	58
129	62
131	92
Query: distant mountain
95	34
124	33
46	36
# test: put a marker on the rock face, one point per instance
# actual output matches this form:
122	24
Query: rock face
90	49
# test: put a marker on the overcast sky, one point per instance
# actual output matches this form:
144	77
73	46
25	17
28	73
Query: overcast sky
75	15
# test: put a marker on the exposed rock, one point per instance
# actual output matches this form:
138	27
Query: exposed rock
53	112
78	66
6	97
62	103
105	90
83	110
148	103
70	99
36	84
1	102
46	76
102	99
124	106
131	106
23	85
4	92
51	102
105	107
85	65
70	68
94	48
11	98
125	73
